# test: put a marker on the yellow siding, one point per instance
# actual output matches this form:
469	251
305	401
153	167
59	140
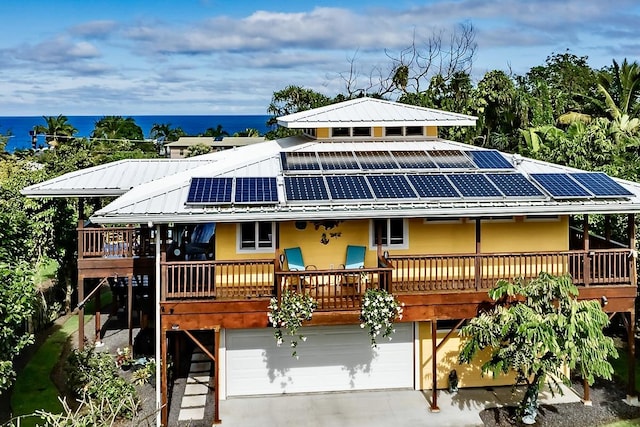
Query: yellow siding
333	252
525	236
432	130
439	238
322	133
469	375
378	132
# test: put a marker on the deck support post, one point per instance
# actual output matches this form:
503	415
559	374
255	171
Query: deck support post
130	309
98	323
164	409
477	261
80	313
586	260
631	231
216	373
434	366
631	356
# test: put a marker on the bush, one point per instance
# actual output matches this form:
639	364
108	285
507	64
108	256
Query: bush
94	377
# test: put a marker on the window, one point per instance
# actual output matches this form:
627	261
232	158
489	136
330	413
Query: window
414	131
393	131
256	237
339	132
393	233
361	131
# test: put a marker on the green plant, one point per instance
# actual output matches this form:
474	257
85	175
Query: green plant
123	357
144	374
536	328
93	376
379	310
293	309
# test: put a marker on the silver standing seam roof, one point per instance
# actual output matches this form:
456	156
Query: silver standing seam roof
156	191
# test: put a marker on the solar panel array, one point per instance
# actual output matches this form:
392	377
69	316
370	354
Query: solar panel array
297	161
245	190
580	185
410	187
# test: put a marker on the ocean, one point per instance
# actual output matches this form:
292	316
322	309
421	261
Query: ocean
18	127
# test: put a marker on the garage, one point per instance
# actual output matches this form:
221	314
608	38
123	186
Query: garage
334	358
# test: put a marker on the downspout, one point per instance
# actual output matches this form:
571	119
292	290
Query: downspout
159	363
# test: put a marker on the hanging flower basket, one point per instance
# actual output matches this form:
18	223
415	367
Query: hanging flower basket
294	308
379	310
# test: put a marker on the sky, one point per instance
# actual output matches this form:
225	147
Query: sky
214	57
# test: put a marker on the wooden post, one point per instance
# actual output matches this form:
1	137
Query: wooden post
607	228
163	378
631	356
478	261
80	313
586	398
216	373
130	309
586	259
434	366
98	323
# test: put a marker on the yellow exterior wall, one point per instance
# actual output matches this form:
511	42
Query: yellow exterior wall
432	130
439	238
322	133
525	236
378	132
469	375
334	249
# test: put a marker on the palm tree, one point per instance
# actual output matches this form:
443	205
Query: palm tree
117	127
56	129
621	89
216	133
162	133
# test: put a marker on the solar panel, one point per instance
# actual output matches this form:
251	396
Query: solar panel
348	187
305	188
376	160
560	185
336	160
413	159
514	185
391	187
210	190
256	190
451	159
473	185
489	159
299	161
432	186
600	184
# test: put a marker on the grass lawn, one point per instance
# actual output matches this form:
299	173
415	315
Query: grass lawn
625	423
34	388
621	368
46	270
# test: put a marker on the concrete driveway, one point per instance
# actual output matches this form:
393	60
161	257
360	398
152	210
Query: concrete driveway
383	408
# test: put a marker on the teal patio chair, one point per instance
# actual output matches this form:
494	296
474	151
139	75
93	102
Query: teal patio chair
296	263
355	259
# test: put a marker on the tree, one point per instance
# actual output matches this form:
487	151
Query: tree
197	150
248	132
117	127
163	133
289	100
17	296
57	129
216	132
535	328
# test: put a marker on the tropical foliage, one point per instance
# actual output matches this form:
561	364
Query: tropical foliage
535	329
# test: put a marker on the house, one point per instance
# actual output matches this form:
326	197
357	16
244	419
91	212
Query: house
440	222
180	148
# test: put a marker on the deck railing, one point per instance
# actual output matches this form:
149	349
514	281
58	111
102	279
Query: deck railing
218	279
474	272
338	289
342	289
114	242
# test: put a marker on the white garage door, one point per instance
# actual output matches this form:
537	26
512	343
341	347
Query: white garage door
334	358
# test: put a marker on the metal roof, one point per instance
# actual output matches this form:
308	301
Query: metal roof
164	200
367	112
227	141
112	179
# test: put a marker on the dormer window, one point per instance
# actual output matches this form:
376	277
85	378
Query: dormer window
394	131
414	131
404	131
362	131
338	132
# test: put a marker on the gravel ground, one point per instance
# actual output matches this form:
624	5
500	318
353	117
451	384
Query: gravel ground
608	407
